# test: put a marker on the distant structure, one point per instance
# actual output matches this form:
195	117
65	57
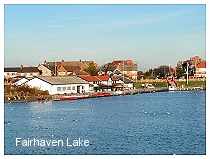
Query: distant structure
125	67
14	72
98	83
200	70
64	68
199	66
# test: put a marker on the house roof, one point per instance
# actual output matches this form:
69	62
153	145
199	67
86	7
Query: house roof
103	77
57	80
81	73
202	64
72	68
125	62
68	63
21	69
28	69
50	66
126	65
89	78
11	69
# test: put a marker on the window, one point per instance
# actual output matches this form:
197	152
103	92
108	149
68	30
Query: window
82	87
68	88
64	88
73	88
58	88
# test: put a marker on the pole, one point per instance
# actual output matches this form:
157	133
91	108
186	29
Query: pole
55	68
187	73
169	70
123	74
137	71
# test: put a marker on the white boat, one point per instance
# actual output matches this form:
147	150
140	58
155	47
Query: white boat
172	88
118	93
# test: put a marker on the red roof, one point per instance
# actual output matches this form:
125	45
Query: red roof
202	64
121	62
89	78
103	77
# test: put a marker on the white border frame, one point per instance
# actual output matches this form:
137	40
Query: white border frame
2	2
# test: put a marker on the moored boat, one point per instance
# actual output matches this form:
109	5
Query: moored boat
172	88
102	94
71	97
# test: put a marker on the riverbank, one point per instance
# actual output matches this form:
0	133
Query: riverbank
26	94
45	98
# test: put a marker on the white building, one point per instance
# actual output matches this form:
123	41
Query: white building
200	70
120	83
60	85
103	82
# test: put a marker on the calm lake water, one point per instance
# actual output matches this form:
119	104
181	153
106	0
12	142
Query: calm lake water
156	123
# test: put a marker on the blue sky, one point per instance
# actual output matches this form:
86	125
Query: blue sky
150	34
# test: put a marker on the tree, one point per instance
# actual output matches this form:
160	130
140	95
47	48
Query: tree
92	69
161	71
108	67
140	75
180	71
148	74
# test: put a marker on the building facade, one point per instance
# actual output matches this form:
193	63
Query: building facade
60	85
121	83
100	82
200	70
127	67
